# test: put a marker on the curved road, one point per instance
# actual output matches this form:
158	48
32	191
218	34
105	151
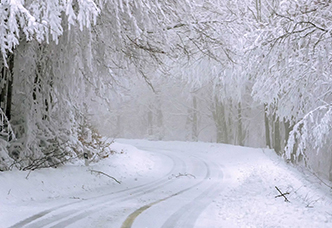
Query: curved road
175	199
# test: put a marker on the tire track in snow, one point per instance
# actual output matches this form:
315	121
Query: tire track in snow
80	216
131	218
64	211
187	215
190	210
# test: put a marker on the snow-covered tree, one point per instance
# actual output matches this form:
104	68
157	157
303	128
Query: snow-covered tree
290	67
32	70
75	60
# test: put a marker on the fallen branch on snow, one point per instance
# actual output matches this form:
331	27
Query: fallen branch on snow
100	172
282	194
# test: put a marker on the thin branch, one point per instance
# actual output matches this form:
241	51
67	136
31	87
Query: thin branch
99	172
149	49
282	194
323	182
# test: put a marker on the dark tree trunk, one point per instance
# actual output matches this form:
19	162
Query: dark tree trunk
276	136
258	9
194	120
219	117
10	85
288	129
330	171
239	126
6	92
3	89
267	127
150	122
160	118
118	125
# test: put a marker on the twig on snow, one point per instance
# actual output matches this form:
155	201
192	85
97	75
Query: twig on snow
282	194
28	174
100	172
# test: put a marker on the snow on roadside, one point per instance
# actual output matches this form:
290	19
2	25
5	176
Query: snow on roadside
247	198
48	188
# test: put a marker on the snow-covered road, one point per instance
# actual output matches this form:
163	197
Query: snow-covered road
193	185
174	184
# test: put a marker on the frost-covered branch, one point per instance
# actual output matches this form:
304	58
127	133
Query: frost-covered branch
39	19
6	131
311	132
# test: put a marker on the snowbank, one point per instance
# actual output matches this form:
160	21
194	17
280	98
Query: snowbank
23	193
247	195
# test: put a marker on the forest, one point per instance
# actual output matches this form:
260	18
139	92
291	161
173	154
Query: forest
251	73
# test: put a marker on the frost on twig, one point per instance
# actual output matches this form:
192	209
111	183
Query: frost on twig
100	172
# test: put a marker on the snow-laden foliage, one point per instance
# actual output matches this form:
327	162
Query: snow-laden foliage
6	131
41	19
61	70
261	64
6	134
292	71
41	82
310	133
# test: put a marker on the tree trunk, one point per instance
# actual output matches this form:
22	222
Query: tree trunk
259	10
150	122
219	118
118	125
3	88
6	92
330	171
276	136
239	126
10	85
194	120
267	127
288	129
160	119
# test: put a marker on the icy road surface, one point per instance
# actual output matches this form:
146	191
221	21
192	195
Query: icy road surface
167	185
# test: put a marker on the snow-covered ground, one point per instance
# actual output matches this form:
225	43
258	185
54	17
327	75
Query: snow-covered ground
167	184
